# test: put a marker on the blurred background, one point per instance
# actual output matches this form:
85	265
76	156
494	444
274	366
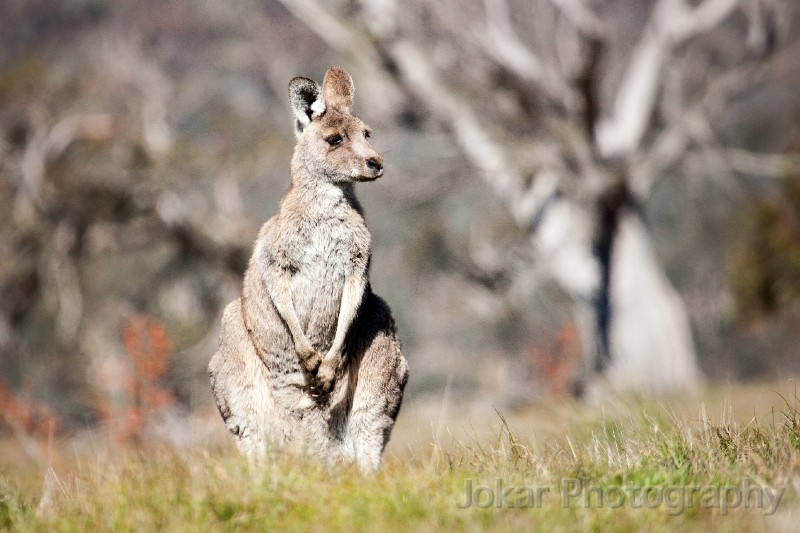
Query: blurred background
578	193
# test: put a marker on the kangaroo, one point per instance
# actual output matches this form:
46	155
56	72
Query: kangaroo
308	358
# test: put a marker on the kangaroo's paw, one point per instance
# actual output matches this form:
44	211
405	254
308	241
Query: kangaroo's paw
326	373
309	357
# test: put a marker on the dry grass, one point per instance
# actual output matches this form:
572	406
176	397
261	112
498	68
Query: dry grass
726	441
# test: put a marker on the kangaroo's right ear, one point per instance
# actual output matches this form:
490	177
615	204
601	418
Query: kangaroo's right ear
307	102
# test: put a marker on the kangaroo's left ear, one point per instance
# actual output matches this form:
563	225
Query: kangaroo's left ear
338	90
307	102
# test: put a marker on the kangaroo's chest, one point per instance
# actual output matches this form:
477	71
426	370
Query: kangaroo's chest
332	249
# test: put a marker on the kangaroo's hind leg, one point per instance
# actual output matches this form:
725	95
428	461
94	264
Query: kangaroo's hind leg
239	386
378	375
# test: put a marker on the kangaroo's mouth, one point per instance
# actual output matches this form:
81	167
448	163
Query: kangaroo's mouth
372	176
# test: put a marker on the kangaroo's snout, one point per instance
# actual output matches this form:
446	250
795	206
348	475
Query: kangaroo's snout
375	165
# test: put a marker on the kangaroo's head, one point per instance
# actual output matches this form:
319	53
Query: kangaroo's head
332	144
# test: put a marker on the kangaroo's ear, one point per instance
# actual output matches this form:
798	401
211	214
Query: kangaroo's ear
307	102
338	89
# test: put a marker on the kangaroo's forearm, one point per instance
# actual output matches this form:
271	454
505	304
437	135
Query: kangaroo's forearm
280	292
351	299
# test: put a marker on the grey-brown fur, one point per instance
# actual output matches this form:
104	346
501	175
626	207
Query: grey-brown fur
308	357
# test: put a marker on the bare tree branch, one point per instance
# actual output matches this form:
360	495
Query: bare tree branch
500	42
672	22
687	123
762	165
48	145
582	17
485	154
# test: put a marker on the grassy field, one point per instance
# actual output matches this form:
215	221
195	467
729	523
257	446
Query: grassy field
728	460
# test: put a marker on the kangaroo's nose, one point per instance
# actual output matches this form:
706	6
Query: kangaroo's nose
374	163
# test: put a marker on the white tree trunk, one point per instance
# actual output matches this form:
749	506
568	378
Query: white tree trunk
651	340
650	346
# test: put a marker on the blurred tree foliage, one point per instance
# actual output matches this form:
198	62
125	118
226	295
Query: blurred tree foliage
765	267
143	143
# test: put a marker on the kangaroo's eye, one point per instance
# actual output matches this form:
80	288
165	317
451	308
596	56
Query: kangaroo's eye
334	140
367	134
